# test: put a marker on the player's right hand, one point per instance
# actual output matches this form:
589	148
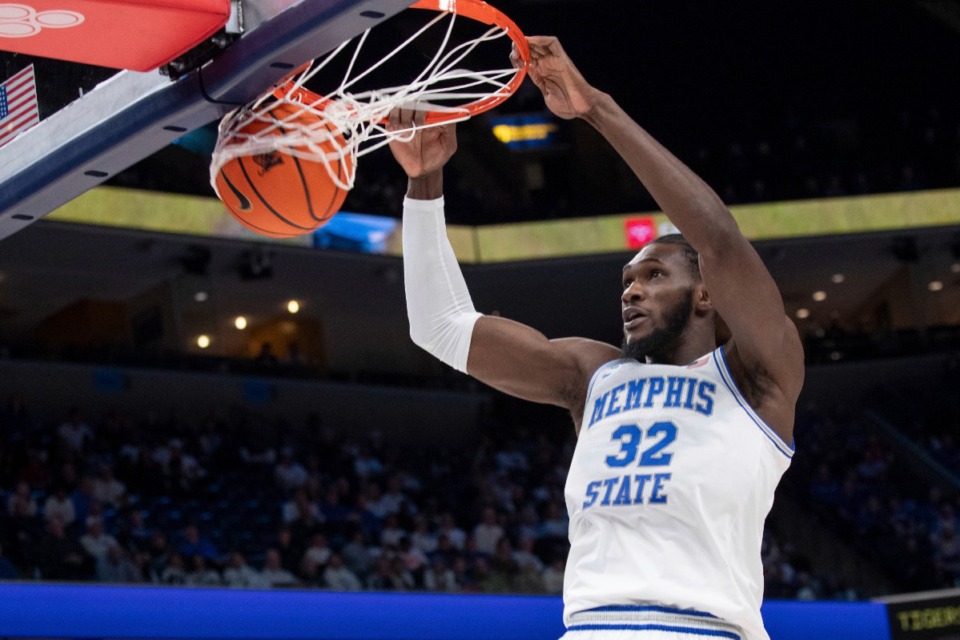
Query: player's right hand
420	150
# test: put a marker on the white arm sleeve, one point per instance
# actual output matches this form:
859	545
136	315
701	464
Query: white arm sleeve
439	307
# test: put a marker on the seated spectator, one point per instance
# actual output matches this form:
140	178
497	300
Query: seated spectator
289	474
555	522
439	577
117	567
59	505
21	505
445	550
391	533
175	572
316	557
421	538
202	575
107	489
135	533
365	519
158	555
333	512
414	560
553	577
525	557
182	471
946	552
195	545
239	574
386	575
290	548
274	575
357	556
528	525
338	577
96	542
60	558
301	510
258	453
36	472
463	574
502	561
448	527
16	422
74	433
488	532
366	465
393	498
83	500
7	570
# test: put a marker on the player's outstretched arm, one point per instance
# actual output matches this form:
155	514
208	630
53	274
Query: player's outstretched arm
507	355
765	346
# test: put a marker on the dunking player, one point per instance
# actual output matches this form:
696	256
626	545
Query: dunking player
680	443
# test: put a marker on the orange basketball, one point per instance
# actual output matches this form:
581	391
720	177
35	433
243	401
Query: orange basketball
279	195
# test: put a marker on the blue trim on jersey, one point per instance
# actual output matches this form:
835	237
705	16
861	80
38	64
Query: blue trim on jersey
593	379
636	607
693	631
728	381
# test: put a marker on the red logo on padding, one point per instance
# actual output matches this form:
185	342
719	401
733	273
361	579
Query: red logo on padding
639	231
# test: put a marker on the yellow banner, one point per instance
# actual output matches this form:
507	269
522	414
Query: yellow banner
204	216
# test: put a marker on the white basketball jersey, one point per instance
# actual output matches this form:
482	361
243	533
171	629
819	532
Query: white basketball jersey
672	478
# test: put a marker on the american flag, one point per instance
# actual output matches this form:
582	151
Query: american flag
18	105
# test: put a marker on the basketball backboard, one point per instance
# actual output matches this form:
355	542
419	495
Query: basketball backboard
95	121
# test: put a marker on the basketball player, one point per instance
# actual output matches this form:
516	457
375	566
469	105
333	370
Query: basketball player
680	443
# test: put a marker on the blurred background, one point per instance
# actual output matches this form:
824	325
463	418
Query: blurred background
209	408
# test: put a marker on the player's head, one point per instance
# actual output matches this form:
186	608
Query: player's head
663	298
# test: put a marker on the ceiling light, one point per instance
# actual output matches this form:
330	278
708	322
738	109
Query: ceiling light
203	341
935	285
293	306
201	296
240	323
819	296
803	313
837	278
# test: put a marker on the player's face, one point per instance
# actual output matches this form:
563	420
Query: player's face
657	300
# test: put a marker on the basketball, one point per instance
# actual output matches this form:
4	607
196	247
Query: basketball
281	195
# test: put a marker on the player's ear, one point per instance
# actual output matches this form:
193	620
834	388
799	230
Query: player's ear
702	303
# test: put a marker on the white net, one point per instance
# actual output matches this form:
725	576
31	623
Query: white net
344	122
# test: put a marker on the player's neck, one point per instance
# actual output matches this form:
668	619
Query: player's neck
690	345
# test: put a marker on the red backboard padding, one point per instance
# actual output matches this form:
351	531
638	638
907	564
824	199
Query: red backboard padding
125	34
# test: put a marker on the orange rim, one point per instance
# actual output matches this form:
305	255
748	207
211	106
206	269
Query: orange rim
475	10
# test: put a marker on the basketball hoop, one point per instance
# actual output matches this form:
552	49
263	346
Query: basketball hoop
348	123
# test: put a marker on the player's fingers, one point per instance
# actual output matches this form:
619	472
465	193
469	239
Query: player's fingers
541	45
419	115
515	58
400	118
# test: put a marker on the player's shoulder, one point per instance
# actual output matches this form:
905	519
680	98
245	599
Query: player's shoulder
589	354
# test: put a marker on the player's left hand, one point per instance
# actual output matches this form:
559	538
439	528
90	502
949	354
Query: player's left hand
567	94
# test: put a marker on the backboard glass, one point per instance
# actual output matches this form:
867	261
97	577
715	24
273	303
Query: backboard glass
95	122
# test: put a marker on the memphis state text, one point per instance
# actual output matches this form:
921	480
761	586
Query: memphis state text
644	446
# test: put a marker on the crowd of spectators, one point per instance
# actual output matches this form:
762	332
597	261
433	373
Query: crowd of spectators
901	521
238	503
